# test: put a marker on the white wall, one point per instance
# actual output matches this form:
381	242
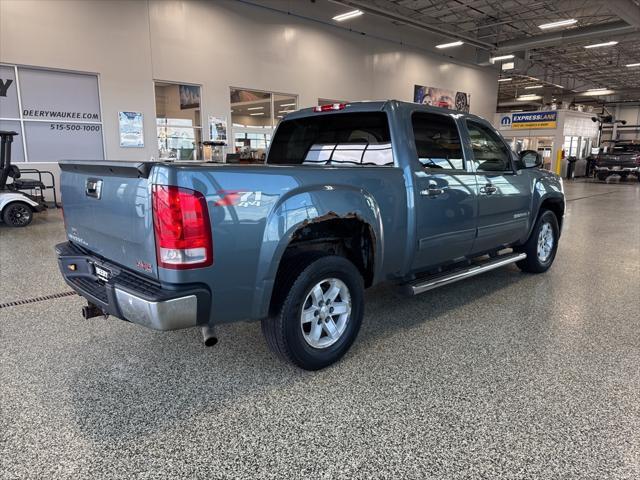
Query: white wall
219	44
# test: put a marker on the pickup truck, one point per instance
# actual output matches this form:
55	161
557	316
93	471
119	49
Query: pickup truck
350	195
623	159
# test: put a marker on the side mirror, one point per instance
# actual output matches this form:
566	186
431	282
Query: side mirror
530	159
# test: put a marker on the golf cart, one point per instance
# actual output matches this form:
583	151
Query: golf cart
17	206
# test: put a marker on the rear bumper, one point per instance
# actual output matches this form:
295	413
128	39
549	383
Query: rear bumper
132	297
632	170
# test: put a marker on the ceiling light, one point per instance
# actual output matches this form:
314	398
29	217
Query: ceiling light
348	15
285	111
255	108
254	114
505	79
559	23
288	105
502	57
596	92
605	44
508	66
530	87
523	98
632	65
452	44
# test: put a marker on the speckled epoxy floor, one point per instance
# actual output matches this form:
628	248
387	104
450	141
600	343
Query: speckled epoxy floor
505	375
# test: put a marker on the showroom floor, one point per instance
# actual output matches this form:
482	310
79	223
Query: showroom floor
506	375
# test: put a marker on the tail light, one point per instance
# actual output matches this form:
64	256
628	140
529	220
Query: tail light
182	228
330	106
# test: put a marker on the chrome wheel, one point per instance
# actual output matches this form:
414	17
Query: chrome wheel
325	313
545	242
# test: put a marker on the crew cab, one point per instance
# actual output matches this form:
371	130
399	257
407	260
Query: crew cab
622	159
350	195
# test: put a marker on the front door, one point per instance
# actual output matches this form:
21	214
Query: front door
504	195
446	203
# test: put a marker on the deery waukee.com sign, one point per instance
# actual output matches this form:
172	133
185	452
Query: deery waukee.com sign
528	120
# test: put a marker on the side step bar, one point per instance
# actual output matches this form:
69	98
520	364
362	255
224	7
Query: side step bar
435	281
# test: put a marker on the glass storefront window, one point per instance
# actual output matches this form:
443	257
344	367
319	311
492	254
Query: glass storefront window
178	121
254	116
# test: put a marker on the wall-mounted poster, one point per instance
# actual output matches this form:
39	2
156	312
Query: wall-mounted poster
218	129
189	96
442	97
131	129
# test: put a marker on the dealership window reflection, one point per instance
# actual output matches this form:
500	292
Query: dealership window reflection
178	121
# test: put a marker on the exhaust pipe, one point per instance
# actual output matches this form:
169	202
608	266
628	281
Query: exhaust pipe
91	311
209	336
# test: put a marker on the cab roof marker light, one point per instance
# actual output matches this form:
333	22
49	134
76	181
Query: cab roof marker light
348	15
559	23
604	44
451	44
329	107
501	57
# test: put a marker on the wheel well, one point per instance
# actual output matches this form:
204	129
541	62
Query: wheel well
556	205
349	237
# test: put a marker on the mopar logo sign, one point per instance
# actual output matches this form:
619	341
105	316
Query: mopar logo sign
528	120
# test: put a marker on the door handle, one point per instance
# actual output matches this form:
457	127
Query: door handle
432	191
488	189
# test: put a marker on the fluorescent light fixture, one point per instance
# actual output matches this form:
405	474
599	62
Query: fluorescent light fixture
559	23
285	111
348	15
448	45
524	98
288	105
255	108
596	92
501	57
254	114
632	65
505	79
604	44
508	66
531	87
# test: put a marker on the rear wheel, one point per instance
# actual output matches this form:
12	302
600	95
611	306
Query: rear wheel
17	214
602	176
321	312
542	244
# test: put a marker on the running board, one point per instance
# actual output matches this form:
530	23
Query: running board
440	279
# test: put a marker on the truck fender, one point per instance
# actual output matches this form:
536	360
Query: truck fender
546	188
303	206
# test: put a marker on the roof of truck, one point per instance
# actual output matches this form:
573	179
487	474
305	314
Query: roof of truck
377	105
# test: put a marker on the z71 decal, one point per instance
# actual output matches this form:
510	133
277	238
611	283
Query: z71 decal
238	198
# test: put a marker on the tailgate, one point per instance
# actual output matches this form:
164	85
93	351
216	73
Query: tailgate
107	210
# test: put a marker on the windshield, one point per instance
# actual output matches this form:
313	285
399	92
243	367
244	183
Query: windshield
342	139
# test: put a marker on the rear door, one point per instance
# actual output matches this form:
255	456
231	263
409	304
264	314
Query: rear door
504	194
446	203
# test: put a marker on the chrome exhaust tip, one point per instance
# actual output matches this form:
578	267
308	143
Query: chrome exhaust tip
209	336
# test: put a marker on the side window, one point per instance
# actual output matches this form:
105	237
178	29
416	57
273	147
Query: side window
437	141
490	153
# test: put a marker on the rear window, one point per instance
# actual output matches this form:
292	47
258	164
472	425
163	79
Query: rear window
343	139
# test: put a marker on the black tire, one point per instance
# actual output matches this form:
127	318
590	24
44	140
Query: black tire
533	263
602	176
283	330
17	214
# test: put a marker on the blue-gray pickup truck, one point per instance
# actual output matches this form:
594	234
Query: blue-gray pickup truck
350	195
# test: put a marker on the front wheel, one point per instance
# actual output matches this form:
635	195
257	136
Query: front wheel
17	214
321	314
542	245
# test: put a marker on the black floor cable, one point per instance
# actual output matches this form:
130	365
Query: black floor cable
25	301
